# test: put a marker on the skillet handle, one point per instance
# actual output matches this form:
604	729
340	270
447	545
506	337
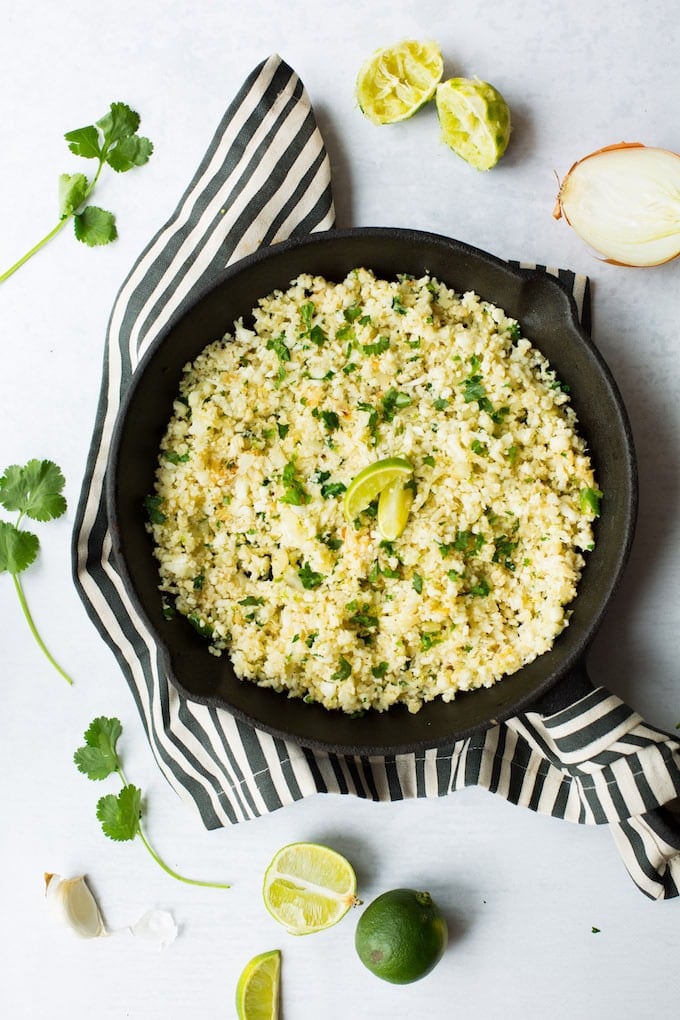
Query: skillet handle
570	688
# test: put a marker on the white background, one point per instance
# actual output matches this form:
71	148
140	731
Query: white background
522	892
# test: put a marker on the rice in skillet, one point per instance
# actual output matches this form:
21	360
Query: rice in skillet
271	425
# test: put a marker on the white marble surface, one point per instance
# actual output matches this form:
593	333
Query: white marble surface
522	892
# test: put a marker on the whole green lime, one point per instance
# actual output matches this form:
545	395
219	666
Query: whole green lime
401	936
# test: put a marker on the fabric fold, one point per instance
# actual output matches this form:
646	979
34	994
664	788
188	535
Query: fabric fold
264	177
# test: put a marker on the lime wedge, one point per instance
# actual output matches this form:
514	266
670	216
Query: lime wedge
258	988
398	80
308	887
394	507
371	481
474	120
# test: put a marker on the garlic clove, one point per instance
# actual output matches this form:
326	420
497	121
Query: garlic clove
74	906
156	926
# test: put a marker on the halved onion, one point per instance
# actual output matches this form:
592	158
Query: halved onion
624	201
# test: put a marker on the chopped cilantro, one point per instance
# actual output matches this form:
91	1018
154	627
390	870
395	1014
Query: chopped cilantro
294	491
352	313
441	403
152	505
310	578
343	671
330	489
278	345
282	430
417	583
329	418
379	347
379	670
394	401
252	600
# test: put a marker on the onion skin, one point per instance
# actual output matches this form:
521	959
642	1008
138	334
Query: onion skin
624	201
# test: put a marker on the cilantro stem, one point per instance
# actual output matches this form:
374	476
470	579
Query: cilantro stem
159	860
175	874
36	248
55	230
34	629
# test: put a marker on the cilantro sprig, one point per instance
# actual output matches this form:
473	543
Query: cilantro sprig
33	491
120	816
112	141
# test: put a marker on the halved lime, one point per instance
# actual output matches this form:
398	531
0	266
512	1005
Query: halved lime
259	986
394	507
309	887
474	119
398	80
371	481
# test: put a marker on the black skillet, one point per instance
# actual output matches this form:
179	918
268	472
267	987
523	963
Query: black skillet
547	315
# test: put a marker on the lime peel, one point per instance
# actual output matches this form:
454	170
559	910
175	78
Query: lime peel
396	81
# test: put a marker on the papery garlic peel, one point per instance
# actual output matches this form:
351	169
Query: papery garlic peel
74	905
624	201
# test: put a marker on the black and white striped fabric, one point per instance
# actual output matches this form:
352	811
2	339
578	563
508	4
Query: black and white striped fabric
266	176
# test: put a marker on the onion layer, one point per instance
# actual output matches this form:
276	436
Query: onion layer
624	201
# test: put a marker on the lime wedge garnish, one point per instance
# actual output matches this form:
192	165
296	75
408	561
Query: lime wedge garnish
394	507
397	80
371	481
474	120
309	887
258	988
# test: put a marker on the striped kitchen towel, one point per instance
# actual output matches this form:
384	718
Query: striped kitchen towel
265	177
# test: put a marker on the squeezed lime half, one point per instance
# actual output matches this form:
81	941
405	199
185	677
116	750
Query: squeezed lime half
474	119
397	80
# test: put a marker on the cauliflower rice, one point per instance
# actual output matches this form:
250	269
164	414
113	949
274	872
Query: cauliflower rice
271	425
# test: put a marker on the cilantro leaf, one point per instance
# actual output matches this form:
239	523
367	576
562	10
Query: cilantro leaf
84	142
34	490
18	549
119	122
95	226
72	192
120	815
129	152
310	578
98	758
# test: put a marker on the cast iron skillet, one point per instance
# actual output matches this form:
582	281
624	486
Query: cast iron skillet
548	318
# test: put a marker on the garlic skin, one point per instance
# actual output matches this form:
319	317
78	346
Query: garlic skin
156	926
74	906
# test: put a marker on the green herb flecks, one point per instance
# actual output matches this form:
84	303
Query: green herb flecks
120	815
310	578
378	347
330	419
112	141
294	491
33	491
343	671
